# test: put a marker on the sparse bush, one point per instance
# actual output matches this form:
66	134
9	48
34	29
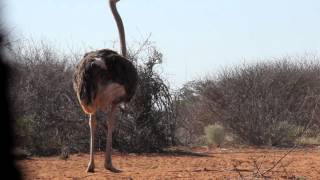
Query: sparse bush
214	134
148	123
47	114
264	104
305	140
192	115
284	133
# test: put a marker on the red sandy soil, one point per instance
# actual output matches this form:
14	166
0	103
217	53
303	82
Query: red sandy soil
248	163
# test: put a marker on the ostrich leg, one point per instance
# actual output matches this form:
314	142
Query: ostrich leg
110	122
93	125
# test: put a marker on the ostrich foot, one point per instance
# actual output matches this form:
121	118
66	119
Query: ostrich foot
90	168
111	168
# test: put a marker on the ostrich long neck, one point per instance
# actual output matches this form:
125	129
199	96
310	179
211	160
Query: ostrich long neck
120	26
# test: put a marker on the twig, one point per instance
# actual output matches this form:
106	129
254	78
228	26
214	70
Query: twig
268	170
145	42
200	170
257	167
238	171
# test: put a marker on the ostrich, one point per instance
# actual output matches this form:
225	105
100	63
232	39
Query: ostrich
103	79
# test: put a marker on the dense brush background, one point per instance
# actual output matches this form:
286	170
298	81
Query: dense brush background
274	103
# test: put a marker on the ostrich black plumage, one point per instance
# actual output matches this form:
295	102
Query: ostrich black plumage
102	80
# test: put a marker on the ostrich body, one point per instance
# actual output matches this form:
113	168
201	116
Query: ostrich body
103	79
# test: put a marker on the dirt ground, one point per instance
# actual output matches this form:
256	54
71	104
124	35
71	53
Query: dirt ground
248	163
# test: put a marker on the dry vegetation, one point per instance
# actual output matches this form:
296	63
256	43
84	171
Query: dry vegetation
270	103
266	104
49	119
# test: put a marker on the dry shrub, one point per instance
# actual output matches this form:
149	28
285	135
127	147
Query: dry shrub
266	103
269	103
147	123
47	114
214	134
192	115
